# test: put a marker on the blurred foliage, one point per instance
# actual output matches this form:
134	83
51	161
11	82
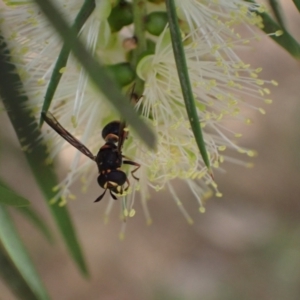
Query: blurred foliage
14	279
28	134
9	197
18	254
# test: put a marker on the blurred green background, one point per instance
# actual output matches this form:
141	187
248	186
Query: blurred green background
246	245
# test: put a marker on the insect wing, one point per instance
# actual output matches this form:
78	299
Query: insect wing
53	123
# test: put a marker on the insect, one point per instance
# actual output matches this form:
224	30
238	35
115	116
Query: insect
109	158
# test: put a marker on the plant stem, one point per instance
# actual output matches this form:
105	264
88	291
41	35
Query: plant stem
139	14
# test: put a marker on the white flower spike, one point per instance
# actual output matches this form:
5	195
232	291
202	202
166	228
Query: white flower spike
222	84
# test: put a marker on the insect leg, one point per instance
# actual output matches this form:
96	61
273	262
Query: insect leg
133	163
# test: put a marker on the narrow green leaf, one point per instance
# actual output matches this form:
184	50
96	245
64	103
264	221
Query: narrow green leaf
285	40
98	74
14	279
278	13
84	13
32	216
27	130
9	197
297	3
37	221
18	254
185	80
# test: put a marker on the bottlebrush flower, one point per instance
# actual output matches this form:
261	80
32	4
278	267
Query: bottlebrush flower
222	85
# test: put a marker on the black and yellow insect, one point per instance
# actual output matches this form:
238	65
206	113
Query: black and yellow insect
109	158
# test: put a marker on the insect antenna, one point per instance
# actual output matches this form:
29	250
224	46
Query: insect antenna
113	196
101	196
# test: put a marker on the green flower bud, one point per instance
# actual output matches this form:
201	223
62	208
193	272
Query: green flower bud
150	50
150	46
121	15
156	22
122	73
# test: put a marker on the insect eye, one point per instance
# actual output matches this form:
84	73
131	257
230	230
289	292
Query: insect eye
111	128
